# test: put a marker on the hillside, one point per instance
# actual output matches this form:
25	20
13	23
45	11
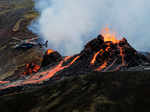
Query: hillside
15	16
94	92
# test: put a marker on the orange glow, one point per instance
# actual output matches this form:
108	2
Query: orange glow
122	55
107	49
59	67
4	82
94	58
51	72
109	36
49	51
74	60
110	40
36	68
101	52
102	66
31	68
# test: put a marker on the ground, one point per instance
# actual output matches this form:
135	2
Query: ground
15	16
93	92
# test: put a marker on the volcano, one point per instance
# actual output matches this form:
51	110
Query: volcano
105	72
105	53
108	75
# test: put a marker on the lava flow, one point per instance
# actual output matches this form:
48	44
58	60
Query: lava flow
102	66
110	40
50	73
42	76
31	68
109	36
49	51
104	53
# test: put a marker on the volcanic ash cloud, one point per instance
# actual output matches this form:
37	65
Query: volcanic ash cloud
69	24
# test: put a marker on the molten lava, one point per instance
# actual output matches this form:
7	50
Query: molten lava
122	55
50	73
94	58
109	36
102	66
4	82
76	58
96	54
110	40
104	53
31	68
49	51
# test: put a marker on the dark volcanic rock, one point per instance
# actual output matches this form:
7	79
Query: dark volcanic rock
117	56
50	57
92	92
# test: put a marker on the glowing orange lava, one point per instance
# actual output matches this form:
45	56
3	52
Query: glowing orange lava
122	55
49	51
102	66
4	82
94	58
109	36
42	76
31	68
109	39
51	72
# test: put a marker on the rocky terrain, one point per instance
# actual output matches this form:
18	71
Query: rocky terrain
15	16
93	92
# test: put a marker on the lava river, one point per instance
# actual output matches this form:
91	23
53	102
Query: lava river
41	76
105	53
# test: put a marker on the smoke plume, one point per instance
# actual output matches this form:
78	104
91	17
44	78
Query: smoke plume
69	24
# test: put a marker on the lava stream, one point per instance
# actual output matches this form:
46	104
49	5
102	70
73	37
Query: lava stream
94	58
108	36
4	82
45	75
102	66
122	56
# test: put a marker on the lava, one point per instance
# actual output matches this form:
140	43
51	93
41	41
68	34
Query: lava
105	53
52	71
122	55
31	68
76	58
4	82
102	66
109	36
94	58
43	76
49	51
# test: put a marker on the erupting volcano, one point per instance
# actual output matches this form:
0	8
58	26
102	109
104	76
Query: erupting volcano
109	49
105	53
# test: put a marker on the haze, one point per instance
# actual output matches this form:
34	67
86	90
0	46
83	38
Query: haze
69	24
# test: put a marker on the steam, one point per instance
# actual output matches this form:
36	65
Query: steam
69	24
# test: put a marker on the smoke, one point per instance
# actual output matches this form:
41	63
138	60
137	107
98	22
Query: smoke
69	24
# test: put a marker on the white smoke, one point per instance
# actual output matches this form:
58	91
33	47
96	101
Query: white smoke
69	24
